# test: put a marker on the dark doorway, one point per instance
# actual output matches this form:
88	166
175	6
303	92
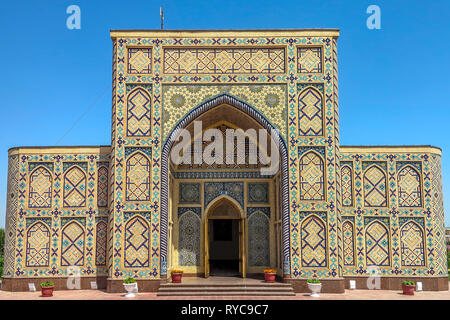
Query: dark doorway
224	247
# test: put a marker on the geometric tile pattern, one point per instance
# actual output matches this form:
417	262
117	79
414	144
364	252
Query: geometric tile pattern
189	239
314	242
139	60
138	178
409	194
412	248
309	59
240	157
189	193
258	192
348	243
137	236
310	112
274	99
375	188
74	188
258	239
100	243
102	187
377	245
72	245
38	245
269	99
311	177
223	61
347	186
139	113
234	190
40	195
11	215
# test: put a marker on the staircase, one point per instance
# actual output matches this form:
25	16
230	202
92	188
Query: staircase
211	288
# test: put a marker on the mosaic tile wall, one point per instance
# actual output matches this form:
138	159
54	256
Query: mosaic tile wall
290	79
53	217
107	211
393	212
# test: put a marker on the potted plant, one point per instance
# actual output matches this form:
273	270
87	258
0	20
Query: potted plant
408	287
176	275
315	286
47	289
269	275
130	286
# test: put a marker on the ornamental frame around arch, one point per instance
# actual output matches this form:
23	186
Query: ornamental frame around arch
389	242
27	243
149	175
353	241
322	110
324	224
420	186
84	242
83	204
139	88
137	216
103	167
386	192
97	225
324	176
423	241
29	187
188	118
351	184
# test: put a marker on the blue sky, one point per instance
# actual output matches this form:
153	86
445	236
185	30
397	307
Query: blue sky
393	82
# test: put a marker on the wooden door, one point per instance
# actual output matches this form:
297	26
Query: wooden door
242	255
206	246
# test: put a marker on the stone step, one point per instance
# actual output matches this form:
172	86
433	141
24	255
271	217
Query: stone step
226	289
219	289
232	284
226	293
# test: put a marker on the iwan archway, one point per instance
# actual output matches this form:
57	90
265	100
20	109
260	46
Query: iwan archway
188	190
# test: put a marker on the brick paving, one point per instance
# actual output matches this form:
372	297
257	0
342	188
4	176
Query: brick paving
348	295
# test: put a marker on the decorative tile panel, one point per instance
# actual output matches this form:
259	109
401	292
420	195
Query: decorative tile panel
309	59
137	243
189	239
189	192
258	192
258	239
224	60
40	195
38	245
314	242
139	60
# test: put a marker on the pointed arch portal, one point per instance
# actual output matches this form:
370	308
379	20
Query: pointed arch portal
251	112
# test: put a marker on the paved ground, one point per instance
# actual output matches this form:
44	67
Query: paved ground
349	295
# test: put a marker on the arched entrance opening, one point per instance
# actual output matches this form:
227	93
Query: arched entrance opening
262	200
224	238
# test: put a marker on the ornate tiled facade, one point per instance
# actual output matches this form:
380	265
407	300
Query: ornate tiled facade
125	211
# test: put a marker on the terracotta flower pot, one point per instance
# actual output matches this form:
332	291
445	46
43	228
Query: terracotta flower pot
408	290
270	277
176	277
47	291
